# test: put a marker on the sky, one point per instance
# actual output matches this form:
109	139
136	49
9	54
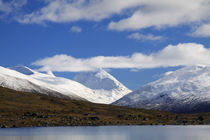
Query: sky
137	41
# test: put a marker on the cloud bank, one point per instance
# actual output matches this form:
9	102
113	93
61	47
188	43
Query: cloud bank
164	13
132	14
172	55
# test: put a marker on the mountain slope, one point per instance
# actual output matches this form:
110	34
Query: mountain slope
42	110
107	88
64	86
20	82
103	84
184	90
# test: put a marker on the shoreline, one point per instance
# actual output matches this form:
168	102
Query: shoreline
178	125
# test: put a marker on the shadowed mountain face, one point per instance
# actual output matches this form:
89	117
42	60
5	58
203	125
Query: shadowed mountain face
183	91
23	69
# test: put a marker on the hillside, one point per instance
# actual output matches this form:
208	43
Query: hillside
22	109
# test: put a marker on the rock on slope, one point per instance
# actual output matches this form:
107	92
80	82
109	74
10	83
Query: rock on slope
103	84
186	90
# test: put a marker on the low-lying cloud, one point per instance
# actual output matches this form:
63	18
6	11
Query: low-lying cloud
173	55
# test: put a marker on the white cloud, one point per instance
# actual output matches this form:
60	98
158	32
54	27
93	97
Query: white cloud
163	13
202	31
4	7
137	14
138	36
74	10
11	6
178	55
76	29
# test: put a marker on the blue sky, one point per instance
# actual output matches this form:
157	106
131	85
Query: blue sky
137	40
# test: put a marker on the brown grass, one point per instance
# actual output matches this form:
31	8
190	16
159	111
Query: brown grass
22	109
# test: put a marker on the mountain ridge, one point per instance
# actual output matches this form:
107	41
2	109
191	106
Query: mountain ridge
184	90
22	78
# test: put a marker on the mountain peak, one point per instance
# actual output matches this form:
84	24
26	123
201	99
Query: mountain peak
23	69
97	80
102	74
50	73
103	84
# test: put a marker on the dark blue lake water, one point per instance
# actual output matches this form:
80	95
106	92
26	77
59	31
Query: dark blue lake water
108	133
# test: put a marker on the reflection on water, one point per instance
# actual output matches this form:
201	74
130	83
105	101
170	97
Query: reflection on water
108	133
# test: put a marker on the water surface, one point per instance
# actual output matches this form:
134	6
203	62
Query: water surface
108	133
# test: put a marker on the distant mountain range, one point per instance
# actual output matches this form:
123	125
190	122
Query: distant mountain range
186	90
106	88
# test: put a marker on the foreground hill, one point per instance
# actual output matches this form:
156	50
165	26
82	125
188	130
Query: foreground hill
186	90
20	109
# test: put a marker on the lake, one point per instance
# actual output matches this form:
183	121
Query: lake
108	133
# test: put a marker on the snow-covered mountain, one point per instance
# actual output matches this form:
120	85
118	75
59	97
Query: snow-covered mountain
61	85
24	82
184	90
22	78
103	84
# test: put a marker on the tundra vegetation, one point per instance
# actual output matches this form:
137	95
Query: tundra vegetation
22	109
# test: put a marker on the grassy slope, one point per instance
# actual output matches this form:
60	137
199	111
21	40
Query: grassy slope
18	109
